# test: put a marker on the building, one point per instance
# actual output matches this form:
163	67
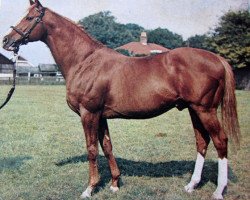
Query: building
25	68
6	67
27	73
142	47
49	70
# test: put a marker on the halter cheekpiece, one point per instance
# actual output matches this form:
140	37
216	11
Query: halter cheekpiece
25	35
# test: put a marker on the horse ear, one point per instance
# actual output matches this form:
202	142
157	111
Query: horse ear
38	4
31	2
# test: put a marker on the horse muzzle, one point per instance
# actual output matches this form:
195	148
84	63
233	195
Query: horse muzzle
10	44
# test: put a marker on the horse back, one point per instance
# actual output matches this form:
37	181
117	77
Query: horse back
151	85
145	87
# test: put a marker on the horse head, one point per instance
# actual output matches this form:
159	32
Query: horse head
30	28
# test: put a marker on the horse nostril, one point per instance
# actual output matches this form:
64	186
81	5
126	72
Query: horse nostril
5	40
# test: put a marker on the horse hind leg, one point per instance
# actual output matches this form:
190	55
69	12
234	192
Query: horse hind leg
202	142
105	142
212	125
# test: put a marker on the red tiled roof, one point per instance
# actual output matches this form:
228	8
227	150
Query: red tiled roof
139	48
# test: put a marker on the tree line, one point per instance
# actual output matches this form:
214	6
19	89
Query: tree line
230	39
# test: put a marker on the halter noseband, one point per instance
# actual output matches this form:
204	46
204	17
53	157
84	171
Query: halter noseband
25	35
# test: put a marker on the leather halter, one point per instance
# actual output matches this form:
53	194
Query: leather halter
25	35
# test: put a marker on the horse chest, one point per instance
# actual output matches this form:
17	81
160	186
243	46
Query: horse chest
91	100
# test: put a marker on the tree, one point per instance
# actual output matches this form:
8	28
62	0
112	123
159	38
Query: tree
198	41
231	38
165	38
104	28
135	30
124	52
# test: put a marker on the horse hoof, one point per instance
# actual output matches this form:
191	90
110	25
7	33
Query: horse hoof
114	189
85	196
217	196
188	189
87	193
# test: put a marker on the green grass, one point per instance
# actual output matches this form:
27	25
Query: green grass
43	154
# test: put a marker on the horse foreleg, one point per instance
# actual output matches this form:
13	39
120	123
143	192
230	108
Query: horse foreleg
105	142
202	142
91	124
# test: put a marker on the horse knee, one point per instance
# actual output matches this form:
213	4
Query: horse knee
92	152
107	148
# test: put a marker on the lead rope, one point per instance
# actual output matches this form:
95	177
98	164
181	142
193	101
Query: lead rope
15	57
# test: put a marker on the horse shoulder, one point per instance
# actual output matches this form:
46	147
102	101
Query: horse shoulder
87	87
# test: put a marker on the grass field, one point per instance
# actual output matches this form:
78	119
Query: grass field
43	154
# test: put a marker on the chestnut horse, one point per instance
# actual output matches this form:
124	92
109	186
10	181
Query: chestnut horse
103	84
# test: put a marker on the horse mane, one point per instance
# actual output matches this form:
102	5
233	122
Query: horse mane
79	27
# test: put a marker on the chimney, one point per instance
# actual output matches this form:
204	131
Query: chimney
143	38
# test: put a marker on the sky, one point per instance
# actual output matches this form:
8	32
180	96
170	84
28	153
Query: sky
184	17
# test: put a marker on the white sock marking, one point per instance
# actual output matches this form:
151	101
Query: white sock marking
222	178
196	177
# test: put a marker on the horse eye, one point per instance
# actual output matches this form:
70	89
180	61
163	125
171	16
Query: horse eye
29	18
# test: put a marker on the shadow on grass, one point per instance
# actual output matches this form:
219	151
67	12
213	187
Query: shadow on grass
143	168
13	163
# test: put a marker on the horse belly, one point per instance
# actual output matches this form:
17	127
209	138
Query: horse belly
141	104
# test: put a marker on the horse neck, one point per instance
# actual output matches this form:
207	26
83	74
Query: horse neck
68	43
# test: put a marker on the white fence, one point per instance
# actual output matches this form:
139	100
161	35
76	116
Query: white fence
45	80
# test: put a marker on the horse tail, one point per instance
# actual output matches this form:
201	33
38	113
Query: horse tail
229	106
